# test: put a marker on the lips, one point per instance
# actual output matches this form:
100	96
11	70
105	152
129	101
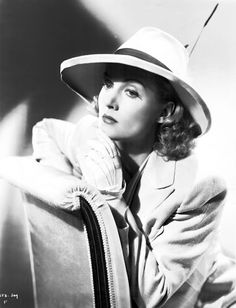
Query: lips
108	119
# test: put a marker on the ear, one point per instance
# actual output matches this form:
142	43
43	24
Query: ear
167	112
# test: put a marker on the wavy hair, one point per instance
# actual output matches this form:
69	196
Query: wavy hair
176	135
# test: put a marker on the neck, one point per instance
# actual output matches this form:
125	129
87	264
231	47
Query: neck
133	154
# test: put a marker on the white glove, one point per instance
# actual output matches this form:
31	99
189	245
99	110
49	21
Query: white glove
100	164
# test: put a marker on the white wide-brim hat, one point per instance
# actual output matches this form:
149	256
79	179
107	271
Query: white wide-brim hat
150	49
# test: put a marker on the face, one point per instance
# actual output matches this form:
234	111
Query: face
129	104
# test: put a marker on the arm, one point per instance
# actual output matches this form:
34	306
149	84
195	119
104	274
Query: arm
162	264
50	143
43	182
55	142
46	181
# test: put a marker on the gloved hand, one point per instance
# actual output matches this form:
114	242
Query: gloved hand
100	165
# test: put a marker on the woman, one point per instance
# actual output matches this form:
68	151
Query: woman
137	152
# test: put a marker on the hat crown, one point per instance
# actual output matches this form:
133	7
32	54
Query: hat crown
161	46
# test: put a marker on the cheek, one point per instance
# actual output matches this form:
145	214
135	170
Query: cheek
145	116
138	122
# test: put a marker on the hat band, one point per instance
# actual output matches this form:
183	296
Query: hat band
141	55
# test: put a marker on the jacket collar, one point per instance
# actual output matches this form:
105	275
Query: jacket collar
161	173
155	175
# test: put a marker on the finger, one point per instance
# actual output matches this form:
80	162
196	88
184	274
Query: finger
97	152
108	143
91	172
109	166
117	162
98	147
101	173
102	167
111	162
91	160
102	150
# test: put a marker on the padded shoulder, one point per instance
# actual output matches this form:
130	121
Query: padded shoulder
211	189
193	188
185	175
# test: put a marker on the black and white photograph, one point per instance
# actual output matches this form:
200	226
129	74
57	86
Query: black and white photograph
117	154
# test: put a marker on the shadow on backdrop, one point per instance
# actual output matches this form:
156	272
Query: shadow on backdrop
35	37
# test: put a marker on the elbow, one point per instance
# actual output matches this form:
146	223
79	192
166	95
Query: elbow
68	196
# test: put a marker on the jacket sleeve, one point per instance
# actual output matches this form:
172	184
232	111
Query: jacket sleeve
159	266
46	183
54	142
50	141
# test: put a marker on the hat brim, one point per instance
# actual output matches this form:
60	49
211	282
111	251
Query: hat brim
84	75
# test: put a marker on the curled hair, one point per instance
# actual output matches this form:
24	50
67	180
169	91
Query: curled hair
177	133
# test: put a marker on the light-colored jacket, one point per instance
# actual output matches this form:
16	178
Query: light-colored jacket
170	240
179	250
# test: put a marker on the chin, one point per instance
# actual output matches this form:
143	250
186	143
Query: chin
111	133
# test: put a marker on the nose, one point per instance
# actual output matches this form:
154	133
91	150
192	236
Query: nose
113	105
112	99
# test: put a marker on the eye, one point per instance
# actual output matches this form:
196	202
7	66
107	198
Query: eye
132	93
107	83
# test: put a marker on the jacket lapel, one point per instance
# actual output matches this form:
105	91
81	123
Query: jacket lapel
160	190
156	184
159	173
